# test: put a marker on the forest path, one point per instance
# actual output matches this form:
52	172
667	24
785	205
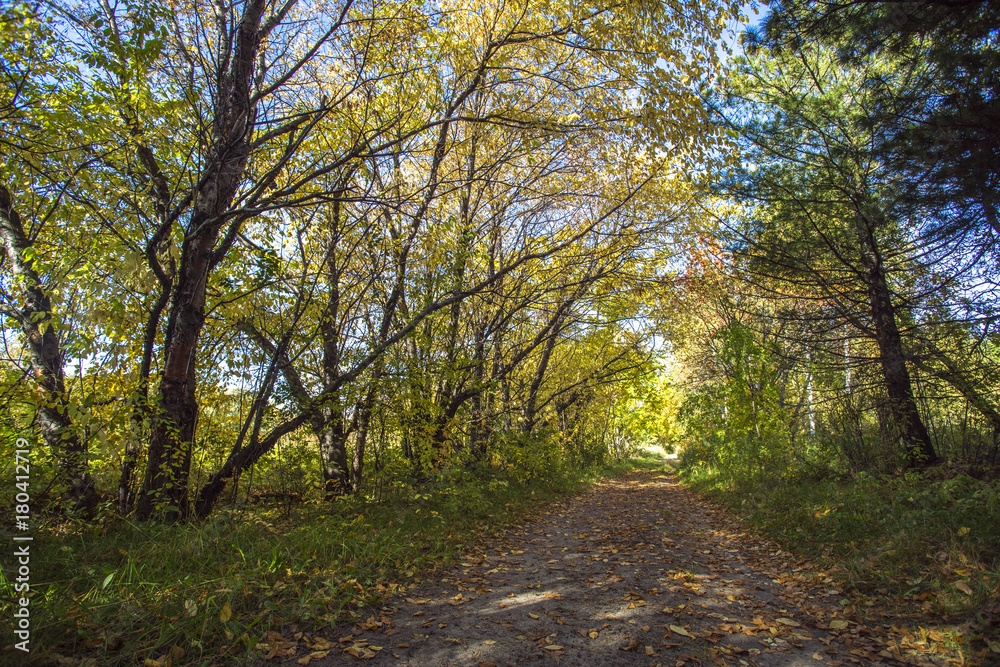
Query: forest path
635	571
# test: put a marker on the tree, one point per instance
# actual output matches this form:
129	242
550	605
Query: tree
935	128
279	188
32	109
827	226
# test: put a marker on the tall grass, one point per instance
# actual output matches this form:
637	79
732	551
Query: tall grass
921	543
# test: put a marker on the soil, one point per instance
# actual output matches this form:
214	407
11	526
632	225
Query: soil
635	571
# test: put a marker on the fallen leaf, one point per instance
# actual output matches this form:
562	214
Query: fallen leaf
534	616
962	586
226	613
650	651
553	647
490	642
681	631
593	634
788	621
838	624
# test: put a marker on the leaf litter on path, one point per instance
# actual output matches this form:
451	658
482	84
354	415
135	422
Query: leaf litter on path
636	571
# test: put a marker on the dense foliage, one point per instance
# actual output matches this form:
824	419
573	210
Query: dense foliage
339	245
377	253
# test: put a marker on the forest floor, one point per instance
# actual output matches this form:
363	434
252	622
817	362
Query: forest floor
636	571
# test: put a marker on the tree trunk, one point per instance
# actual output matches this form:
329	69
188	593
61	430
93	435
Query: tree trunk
141	413
901	418
333	438
175	416
36	321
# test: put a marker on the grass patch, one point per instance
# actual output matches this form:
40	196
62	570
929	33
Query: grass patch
923	544
119	593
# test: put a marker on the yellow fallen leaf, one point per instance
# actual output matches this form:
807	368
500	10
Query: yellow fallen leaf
553	647
817	656
650	651
225	613
962	586
534	616
963	530
838	624
681	631
490	641
593	634
789	621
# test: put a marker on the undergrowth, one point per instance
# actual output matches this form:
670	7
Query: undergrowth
921	543
121	593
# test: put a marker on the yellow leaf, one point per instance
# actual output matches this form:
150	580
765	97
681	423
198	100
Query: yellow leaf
490	642
226	613
650	651
593	634
553	647
534	616
963	530
962	586
838	624
681	631
789	621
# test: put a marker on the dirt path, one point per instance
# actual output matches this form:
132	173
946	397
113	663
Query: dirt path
636	571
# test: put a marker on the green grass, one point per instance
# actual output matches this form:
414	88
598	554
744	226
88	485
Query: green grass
120	593
924	544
